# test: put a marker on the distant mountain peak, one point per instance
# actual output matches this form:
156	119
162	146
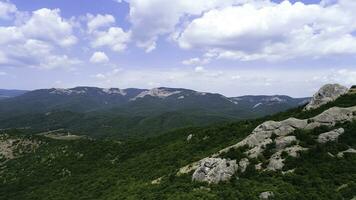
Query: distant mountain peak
62	91
157	92
114	91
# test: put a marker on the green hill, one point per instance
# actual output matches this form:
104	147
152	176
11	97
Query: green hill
45	168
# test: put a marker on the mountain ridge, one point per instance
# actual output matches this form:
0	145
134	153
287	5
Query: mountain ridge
128	111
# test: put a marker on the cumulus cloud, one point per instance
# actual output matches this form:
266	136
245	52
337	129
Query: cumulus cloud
7	10
147	25
99	21
99	57
275	31
48	25
114	38
35	42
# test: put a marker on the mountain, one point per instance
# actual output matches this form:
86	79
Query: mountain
123	112
11	93
62	166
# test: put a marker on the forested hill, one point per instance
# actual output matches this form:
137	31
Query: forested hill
122	113
70	167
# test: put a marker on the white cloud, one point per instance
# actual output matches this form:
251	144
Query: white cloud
37	41
3	73
48	25
199	69
100	76
7	10
99	57
99	21
115	38
274	31
196	61
153	18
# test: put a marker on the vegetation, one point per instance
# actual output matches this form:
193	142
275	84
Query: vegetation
124	169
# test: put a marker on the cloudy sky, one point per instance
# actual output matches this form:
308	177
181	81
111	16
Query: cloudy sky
233	47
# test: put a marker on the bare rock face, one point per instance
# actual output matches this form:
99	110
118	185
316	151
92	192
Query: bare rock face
261	136
282	142
350	150
276	162
326	94
332	116
190	136
330	136
215	170
266	195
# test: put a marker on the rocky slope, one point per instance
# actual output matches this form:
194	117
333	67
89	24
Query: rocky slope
276	136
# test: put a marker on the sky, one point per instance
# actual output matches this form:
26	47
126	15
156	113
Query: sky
232	47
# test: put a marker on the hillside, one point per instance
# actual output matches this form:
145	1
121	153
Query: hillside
4	94
121	113
147	169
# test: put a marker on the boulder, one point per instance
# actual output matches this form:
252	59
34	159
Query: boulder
326	94
266	195
330	136
215	170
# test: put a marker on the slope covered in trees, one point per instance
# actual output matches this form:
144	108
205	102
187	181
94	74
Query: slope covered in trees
109	169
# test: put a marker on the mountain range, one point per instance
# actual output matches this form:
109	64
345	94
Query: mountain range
11	93
99	111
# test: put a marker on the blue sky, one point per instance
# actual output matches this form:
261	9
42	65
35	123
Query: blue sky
233	47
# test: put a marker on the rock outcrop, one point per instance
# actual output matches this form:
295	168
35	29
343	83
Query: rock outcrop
276	162
190	136
326	94
352	90
350	150
215	170
277	134
283	142
332	116
266	195
330	136
11	147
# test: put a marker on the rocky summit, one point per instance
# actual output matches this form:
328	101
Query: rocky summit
327	93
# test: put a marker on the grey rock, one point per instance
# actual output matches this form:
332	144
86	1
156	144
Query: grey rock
330	136
350	150
276	162
282	142
215	170
266	195
189	137
326	94
332	116
243	164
